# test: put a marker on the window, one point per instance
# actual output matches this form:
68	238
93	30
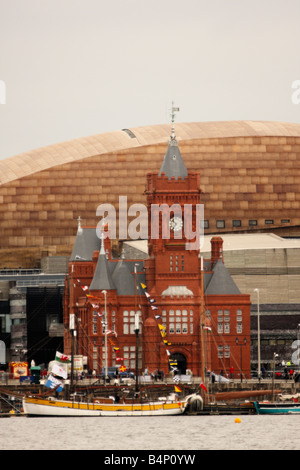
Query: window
227	351
178	322
226	321
269	222
252	222
204	224
285	221
236	223
220	223
220	321
239	324
129	322
129	356
223	321
223	351
95	321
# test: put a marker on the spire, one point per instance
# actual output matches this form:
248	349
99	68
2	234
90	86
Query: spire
173	165
102	277
86	242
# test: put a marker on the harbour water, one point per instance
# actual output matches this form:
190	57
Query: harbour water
181	433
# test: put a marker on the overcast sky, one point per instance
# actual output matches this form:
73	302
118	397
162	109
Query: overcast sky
73	68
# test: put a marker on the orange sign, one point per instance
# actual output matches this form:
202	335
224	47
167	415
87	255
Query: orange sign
19	369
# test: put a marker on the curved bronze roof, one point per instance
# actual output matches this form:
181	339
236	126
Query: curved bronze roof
50	156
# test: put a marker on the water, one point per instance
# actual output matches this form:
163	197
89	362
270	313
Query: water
254	432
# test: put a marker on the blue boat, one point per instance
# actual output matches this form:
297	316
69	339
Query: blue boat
277	408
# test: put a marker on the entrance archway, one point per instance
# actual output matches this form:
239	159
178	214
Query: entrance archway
181	362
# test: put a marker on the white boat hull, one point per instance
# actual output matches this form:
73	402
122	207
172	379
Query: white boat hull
46	407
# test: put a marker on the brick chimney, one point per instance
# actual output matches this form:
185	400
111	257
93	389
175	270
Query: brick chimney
216	250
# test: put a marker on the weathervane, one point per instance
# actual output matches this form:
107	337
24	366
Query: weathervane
173	110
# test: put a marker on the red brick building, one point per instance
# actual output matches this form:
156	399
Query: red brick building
190	312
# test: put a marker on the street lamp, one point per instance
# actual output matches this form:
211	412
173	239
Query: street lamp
241	360
258	336
105	336
136	330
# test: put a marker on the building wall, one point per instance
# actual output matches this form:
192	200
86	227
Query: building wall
242	178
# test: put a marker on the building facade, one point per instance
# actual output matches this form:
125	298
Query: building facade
187	310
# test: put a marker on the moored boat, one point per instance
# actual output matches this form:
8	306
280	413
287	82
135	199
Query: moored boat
35	406
268	408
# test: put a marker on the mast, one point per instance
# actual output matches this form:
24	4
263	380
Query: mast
202	313
136	330
104	292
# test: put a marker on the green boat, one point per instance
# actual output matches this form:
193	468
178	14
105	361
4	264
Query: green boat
277	408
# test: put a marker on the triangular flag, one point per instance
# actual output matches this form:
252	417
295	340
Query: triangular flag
208	328
177	389
147	295
143	286
152	301
161	327
203	386
153	307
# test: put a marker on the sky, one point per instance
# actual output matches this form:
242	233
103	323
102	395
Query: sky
74	68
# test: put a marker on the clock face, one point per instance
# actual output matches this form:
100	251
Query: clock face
176	224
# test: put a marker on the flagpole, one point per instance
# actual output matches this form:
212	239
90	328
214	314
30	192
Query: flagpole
136	319
201	327
105	337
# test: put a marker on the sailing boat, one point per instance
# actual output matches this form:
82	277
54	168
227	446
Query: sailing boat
112	406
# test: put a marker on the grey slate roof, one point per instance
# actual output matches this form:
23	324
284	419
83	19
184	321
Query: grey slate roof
86	242
123	279
102	279
173	164
221	282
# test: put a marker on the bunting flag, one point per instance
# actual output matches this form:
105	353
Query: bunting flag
177	389
143	286
203	386
152	301
208	328
85	288
52	382
59	357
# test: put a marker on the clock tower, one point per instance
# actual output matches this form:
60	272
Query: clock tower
173	270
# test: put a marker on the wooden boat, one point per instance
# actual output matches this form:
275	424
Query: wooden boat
271	408
35	406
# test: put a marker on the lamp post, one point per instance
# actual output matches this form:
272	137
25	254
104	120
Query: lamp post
258	336
136	330
273	375
241	360
104	292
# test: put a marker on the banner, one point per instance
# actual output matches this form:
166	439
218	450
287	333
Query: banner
52	382
57	369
